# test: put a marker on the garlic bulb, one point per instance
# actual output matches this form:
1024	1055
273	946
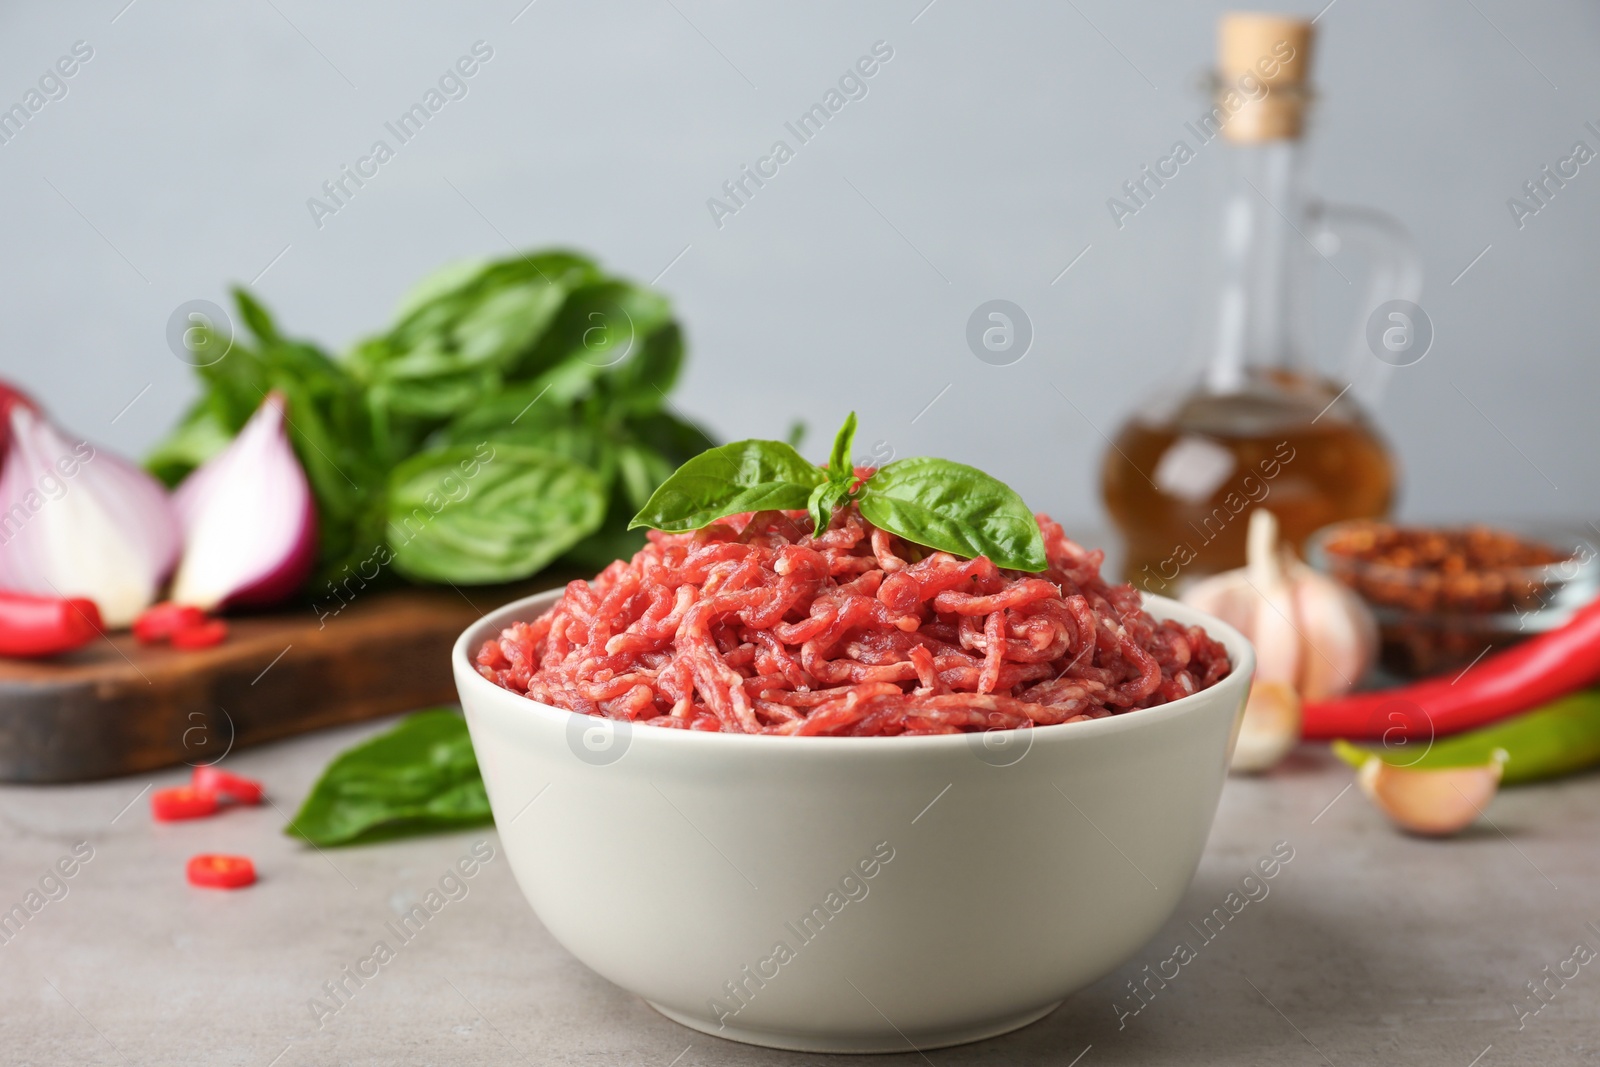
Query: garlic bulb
1314	638
79	522
1310	632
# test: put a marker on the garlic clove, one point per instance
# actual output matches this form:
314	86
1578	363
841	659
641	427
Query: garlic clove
249	524
1277	637
1434	802
1270	728
80	522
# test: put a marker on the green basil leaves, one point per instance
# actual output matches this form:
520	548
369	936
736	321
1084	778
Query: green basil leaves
743	476
540	351
841	475
488	513
932	502
420	777
954	508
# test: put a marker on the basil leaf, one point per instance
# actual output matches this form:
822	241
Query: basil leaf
491	316
453	277
632	457
504	322
567	383
676	439
420	777
518	416
640	384
460	336
613	541
954	508
465	279
604	323
256	317
488	513
824	498
744	476
428	380
640	472
839	468
662	441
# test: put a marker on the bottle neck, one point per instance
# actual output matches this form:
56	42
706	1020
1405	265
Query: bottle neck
1258	307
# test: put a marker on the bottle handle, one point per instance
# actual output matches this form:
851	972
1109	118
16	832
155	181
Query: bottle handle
1392	329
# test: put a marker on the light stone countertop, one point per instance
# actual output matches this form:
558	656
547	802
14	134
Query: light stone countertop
1368	947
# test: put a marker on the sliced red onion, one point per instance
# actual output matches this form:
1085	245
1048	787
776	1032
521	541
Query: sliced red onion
79	521
249	526
11	396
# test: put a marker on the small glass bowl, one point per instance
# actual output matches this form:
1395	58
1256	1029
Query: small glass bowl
1440	615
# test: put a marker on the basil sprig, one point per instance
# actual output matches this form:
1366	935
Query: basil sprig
420	777
841	477
941	505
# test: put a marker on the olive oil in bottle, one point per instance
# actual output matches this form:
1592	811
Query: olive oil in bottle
1257	425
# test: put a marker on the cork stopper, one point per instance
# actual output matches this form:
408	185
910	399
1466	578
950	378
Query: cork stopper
1263	70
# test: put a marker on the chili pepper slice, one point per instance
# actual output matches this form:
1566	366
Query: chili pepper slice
1526	675
160	621
182	802
213	871
234	788
36	626
208	633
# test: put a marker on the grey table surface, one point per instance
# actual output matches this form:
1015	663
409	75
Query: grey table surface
1369	947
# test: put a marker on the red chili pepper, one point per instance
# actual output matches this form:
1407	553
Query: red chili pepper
1527	675
35	626
160	621
221	872
234	788
208	633
182	802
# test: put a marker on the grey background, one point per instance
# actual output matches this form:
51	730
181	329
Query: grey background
977	167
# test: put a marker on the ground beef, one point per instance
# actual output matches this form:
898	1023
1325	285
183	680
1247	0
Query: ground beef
752	626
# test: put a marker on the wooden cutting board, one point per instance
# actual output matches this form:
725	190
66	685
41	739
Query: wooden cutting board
117	706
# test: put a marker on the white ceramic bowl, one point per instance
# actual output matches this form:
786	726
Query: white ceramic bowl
856	894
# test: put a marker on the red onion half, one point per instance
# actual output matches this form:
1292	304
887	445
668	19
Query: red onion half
79	522
249	525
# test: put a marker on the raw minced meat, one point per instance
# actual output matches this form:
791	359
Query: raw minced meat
751	625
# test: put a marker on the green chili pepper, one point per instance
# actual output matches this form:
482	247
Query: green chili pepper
1556	739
